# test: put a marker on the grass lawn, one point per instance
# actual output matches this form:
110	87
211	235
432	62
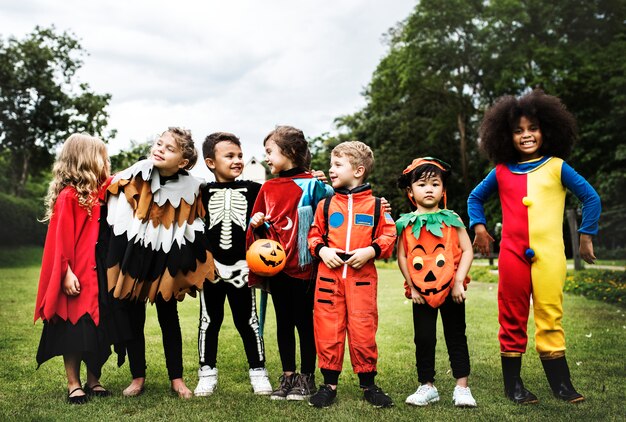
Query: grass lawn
596	343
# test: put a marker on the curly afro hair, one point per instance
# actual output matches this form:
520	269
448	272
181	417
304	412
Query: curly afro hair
558	126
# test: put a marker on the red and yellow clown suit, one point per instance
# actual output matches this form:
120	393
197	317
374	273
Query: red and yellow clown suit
532	258
345	298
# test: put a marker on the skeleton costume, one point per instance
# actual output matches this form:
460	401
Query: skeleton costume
158	251
228	208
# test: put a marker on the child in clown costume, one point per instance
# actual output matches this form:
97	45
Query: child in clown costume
528	139
434	256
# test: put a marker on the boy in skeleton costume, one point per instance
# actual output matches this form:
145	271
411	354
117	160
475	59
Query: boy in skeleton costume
229	203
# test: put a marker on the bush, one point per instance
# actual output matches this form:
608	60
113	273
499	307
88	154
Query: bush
19	225
607	286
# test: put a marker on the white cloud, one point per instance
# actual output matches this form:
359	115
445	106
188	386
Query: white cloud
239	66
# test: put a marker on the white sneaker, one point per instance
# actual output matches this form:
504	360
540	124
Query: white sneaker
424	395
260	382
462	397
207	381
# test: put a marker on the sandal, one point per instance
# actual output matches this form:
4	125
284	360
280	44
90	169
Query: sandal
77	399
91	391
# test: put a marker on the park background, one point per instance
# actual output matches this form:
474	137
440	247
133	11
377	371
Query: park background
408	78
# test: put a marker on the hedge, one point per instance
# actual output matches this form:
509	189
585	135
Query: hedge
18	221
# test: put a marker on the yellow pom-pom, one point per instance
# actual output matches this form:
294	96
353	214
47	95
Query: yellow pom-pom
527	201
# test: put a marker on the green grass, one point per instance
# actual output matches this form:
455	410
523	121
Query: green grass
595	335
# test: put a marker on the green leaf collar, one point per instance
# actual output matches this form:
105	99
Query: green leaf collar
433	221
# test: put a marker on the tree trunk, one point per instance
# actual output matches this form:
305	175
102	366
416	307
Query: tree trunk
573	231
460	120
21	184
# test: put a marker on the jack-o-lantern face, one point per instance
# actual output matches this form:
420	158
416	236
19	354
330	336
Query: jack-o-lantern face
431	263
266	257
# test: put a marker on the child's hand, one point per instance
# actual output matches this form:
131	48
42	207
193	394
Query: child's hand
71	285
416	297
386	205
458	292
482	239
330	257
319	175
257	219
360	257
586	248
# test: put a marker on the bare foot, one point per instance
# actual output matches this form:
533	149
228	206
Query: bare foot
135	388
179	387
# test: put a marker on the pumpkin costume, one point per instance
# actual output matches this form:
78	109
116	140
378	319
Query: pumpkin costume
345	298
433	253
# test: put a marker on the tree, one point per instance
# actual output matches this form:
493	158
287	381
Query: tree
41	102
126	158
450	60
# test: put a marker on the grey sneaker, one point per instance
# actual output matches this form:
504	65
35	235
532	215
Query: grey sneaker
302	388
286	382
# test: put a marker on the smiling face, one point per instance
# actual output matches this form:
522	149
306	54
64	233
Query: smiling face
527	139
275	158
343	174
228	162
167	156
427	192
431	263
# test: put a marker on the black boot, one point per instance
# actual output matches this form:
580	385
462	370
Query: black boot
558	375
513	385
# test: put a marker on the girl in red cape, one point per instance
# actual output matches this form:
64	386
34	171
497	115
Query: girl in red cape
67	299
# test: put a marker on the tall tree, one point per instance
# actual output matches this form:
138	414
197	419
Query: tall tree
450	60
41	102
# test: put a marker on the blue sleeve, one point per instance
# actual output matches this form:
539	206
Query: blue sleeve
587	195
479	196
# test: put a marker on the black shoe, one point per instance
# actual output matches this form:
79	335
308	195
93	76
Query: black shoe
557	372
302	388
324	397
514	388
96	393
286	382
377	397
77	399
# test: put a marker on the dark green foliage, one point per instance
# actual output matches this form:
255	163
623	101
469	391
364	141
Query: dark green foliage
127	158
604	285
19	224
450	60
42	102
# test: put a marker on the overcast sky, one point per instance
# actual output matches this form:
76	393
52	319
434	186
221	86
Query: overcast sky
236	66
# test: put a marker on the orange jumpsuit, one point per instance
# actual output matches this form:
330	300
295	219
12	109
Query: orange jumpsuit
345	298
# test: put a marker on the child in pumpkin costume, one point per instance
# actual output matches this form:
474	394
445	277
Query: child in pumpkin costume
350	230
435	255
528	140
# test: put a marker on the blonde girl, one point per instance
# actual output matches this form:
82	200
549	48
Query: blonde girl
67	298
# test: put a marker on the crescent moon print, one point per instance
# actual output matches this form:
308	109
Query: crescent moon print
289	225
